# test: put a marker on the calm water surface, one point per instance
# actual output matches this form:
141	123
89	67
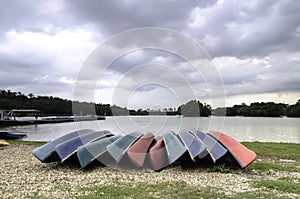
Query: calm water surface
241	128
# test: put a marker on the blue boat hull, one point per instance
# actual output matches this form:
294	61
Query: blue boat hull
175	148
11	136
68	148
47	153
118	148
92	151
193	144
214	148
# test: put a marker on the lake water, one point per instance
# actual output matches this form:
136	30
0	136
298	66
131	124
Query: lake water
241	128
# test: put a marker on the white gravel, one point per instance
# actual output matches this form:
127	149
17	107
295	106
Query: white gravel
23	176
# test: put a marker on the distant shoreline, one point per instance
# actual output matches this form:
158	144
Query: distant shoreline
49	105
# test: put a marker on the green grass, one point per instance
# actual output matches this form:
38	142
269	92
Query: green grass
182	190
266	166
160	190
25	142
275	150
279	185
289	179
256	194
221	169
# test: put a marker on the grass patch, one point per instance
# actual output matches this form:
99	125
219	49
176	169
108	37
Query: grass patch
25	142
256	194
221	169
279	185
289	179
160	190
277	150
180	190
266	166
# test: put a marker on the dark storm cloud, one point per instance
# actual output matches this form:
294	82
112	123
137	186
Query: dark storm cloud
115	16
44	43
254	28
231	28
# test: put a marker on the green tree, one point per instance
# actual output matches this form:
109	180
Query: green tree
194	108
294	110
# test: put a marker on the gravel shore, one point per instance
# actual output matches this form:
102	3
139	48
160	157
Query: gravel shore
23	176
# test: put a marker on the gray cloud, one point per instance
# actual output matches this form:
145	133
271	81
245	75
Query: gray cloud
249	29
113	16
255	44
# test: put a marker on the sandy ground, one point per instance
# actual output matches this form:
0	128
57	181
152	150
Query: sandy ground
23	176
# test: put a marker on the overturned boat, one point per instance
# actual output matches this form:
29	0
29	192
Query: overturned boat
11	136
47	152
213	147
94	150
69	148
175	148
143	151
157	154
4	143
193	144
119	148
242	154
138	151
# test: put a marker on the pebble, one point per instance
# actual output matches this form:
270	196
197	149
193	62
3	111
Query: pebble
23	176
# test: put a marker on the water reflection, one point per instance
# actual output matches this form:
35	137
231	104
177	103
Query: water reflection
241	128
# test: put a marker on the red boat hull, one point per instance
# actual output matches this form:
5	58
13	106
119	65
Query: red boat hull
242	154
158	154
138	151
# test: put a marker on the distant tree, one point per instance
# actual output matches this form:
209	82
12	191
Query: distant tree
269	109
30	95
49	105
138	112
221	111
294	110
116	110
194	108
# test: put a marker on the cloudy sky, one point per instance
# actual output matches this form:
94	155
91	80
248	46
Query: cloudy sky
252	47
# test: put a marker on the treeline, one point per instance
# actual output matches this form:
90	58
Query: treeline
262	109
194	108
293	110
48	105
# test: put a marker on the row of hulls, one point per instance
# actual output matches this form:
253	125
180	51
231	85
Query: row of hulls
138	150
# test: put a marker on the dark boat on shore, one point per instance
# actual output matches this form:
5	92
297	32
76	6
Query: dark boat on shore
47	153
138	151
11	136
92	151
214	148
242	154
69	147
